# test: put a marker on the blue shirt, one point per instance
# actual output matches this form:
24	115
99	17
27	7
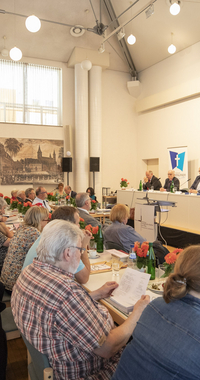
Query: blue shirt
32	254
166	343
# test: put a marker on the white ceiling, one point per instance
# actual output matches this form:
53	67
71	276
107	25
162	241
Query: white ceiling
54	42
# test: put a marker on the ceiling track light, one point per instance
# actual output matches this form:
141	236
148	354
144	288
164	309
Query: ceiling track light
149	11
101	49
172	47
121	34
131	39
175	7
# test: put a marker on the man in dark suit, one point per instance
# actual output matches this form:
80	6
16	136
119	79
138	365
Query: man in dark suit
169	180
195	188
70	192
151	181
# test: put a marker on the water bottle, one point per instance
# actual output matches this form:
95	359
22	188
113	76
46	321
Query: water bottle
99	240
172	187
140	185
151	262
132	261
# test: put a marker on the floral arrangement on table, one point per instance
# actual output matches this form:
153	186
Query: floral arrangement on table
93	204
94	232
124	182
20	207
70	200
26	207
13	204
49	196
7	199
170	260
141	253
1	195
82	223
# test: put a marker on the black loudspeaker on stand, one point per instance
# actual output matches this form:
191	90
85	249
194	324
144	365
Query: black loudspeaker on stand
94	167
67	166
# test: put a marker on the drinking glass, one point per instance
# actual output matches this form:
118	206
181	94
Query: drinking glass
115	268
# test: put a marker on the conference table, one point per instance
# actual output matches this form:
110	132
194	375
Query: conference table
184	216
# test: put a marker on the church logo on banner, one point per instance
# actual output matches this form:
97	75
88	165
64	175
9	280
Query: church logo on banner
178	161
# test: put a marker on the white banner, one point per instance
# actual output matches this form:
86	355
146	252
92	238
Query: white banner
178	161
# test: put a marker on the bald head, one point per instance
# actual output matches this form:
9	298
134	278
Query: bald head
171	174
149	174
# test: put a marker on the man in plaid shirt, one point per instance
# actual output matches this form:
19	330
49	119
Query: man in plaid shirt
60	319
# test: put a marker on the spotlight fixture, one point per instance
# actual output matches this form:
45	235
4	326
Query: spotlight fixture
172	48
102	48
33	24
149	11
121	34
175	7
15	54
86	65
4	51
131	39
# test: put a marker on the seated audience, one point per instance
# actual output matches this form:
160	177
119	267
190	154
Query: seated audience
5	234
70	192
195	188
166	340
14	194
70	214
83	203
60	193
30	194
90	191
119	232
21	196
169	180
60	319
34	221
40	200
151	181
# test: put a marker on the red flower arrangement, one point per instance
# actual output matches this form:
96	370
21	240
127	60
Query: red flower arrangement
82	223
7	199
93	204
170	260
26	206
141	253
93	230
124	182
1	195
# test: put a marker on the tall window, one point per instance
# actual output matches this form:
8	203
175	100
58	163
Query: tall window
30	94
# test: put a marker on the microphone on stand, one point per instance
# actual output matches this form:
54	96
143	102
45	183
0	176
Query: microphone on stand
186	181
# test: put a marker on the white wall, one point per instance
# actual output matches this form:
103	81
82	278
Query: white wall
176	125
119	148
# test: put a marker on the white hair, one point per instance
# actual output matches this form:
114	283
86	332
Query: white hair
56	237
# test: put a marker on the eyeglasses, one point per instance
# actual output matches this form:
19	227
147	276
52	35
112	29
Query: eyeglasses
45	220
43	192
82	250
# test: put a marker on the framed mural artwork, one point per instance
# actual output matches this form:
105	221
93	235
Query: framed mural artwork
30	161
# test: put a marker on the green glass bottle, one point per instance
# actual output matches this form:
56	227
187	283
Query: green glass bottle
151	262
140	185
172	187
99	240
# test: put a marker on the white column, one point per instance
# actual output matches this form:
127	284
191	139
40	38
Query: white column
95	76
81	164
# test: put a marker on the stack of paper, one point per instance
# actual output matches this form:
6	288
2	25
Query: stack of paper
133	285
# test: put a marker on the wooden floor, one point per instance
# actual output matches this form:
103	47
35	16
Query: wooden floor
17	360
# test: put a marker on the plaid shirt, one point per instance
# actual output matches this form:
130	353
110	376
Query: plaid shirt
59	318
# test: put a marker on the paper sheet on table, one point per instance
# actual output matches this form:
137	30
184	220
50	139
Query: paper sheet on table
133	285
